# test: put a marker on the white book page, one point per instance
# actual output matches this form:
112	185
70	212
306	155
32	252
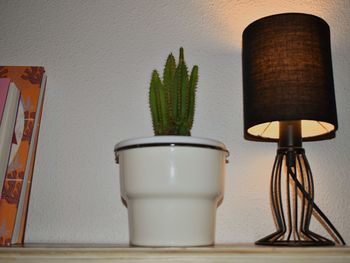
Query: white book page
7	128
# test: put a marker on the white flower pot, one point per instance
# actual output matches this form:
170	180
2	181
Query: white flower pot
172	186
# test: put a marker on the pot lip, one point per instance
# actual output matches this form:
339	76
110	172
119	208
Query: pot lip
169	140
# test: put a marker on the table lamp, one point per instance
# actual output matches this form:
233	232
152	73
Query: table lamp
289	98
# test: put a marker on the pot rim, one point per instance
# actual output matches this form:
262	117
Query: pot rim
170	140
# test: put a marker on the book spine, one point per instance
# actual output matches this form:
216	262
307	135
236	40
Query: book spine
21	217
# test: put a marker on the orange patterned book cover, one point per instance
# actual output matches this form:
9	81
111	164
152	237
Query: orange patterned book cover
15	193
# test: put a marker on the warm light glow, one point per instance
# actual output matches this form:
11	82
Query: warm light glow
309	128
266	130
231	17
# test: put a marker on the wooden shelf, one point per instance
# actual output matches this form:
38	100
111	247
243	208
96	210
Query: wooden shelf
220	253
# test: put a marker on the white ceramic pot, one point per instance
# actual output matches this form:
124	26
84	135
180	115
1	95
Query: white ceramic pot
172	186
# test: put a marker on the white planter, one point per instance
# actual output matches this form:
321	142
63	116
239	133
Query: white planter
172	186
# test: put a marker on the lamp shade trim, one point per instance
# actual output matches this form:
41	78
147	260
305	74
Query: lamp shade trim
310	129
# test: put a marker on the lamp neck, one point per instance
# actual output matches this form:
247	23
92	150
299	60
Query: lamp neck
290	134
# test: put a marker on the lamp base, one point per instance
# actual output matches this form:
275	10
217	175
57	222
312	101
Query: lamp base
293	213
294	243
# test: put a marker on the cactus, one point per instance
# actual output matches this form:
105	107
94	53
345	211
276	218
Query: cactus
172	100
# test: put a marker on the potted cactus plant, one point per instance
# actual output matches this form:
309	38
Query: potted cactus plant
172	182
172	101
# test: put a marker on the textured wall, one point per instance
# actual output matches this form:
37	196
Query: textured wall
99	56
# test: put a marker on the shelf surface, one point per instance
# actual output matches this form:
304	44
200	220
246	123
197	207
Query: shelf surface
244	253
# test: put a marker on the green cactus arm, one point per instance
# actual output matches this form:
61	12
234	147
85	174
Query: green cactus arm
174	96
184	86
192	91
181	78
158	105
163	102
169	87
169	70
153	102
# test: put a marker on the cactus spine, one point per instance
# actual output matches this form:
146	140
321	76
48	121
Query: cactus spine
172	100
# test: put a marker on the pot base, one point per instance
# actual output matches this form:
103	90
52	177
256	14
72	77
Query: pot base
172	222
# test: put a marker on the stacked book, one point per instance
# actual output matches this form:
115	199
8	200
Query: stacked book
22	92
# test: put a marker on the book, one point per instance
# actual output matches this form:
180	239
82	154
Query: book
9	101
31	82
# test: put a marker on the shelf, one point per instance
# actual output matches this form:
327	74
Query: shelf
220	253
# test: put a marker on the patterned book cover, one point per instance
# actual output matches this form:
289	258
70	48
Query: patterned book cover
15	193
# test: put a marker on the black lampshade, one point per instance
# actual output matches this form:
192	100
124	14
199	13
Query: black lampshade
287	76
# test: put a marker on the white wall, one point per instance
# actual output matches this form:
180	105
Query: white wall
99	56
